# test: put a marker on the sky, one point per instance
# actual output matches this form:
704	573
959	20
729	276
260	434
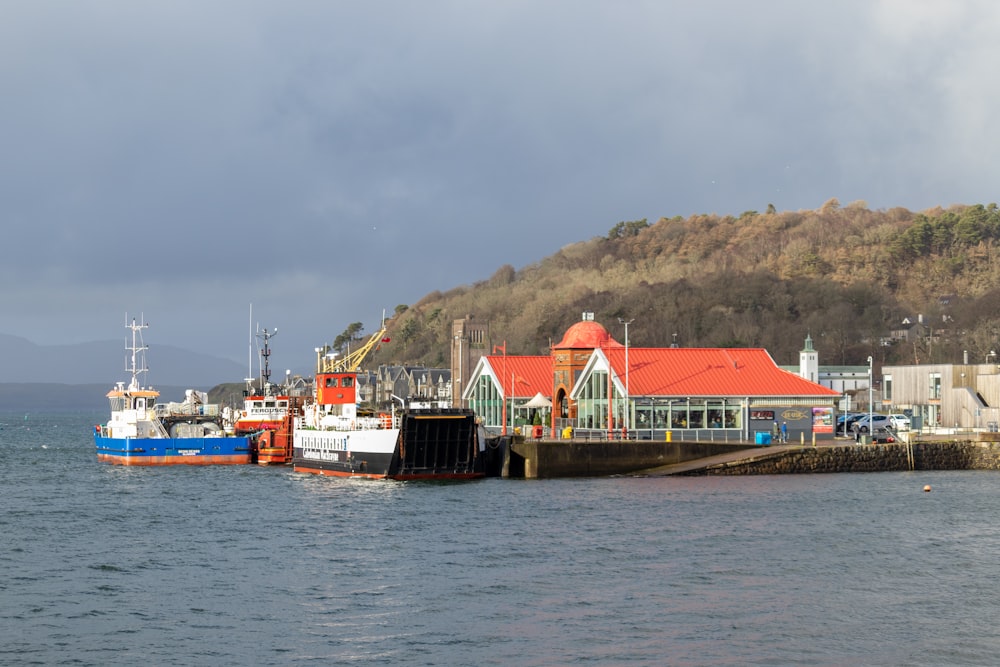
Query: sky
218	167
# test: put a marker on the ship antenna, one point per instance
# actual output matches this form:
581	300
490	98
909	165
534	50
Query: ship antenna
249	377
137	350
265	352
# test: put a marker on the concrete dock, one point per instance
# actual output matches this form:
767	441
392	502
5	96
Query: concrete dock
565	458
735	458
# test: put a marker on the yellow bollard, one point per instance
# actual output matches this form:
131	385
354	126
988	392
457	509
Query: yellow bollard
670	436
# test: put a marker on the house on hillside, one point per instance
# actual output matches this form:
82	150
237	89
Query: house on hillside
910	329
431	384
365	386
413	383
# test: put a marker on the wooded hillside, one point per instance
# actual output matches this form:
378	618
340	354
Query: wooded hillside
846	275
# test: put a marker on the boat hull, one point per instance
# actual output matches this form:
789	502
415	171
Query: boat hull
173	451
274	447
428	445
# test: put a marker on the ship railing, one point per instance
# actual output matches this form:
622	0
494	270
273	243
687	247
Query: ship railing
333	423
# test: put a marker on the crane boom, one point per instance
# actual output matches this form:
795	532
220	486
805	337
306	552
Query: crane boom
351	361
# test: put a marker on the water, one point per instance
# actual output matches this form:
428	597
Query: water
105	565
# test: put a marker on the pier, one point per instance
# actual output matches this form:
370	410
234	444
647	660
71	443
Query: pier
539	459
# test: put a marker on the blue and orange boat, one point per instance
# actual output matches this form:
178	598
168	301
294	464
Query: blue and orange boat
144	432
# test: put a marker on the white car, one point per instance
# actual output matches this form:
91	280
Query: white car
900	422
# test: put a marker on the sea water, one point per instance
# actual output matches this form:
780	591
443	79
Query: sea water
243	565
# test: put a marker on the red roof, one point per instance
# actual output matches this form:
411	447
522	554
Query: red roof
587	335
685	371
531	375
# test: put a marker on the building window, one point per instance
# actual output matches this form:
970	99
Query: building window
887	388
934	390
487	402
732	415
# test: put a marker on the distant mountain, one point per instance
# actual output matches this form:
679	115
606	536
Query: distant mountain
103	362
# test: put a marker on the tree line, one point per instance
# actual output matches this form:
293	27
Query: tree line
846	275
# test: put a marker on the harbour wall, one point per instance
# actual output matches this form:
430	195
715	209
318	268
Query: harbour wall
561	458
951	455
551	459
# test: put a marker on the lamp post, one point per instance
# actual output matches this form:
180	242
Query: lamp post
627	411
871	377
503	378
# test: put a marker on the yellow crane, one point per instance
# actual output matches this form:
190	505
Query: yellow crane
352	360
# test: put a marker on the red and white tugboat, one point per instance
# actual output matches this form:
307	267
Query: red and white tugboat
266	417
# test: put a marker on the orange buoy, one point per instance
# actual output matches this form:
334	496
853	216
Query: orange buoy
927	488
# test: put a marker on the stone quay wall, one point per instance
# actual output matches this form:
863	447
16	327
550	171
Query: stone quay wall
533	459
949	455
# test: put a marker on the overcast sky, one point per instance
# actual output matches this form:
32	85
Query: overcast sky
327	160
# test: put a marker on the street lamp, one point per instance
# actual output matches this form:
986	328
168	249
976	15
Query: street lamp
627	411
503	378
871	428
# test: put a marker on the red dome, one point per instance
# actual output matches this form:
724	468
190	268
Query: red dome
587	335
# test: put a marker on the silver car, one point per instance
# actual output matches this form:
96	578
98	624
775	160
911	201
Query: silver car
879	421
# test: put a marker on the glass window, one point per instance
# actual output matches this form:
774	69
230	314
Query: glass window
331	382
347	382
935	386
732	417
643	417
887	387
696	416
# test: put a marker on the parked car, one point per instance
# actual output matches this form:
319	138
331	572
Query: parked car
900	422
844	422
882	435
877	421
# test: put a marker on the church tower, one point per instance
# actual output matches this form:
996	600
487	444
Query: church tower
469	341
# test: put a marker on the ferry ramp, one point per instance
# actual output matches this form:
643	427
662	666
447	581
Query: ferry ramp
438	443
697	466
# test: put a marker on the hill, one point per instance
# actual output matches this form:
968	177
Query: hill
36	397
846	275
22	361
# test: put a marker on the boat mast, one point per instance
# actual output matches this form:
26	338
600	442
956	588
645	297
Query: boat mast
265	352
137	351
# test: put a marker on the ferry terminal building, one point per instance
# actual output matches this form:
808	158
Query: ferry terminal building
595	387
